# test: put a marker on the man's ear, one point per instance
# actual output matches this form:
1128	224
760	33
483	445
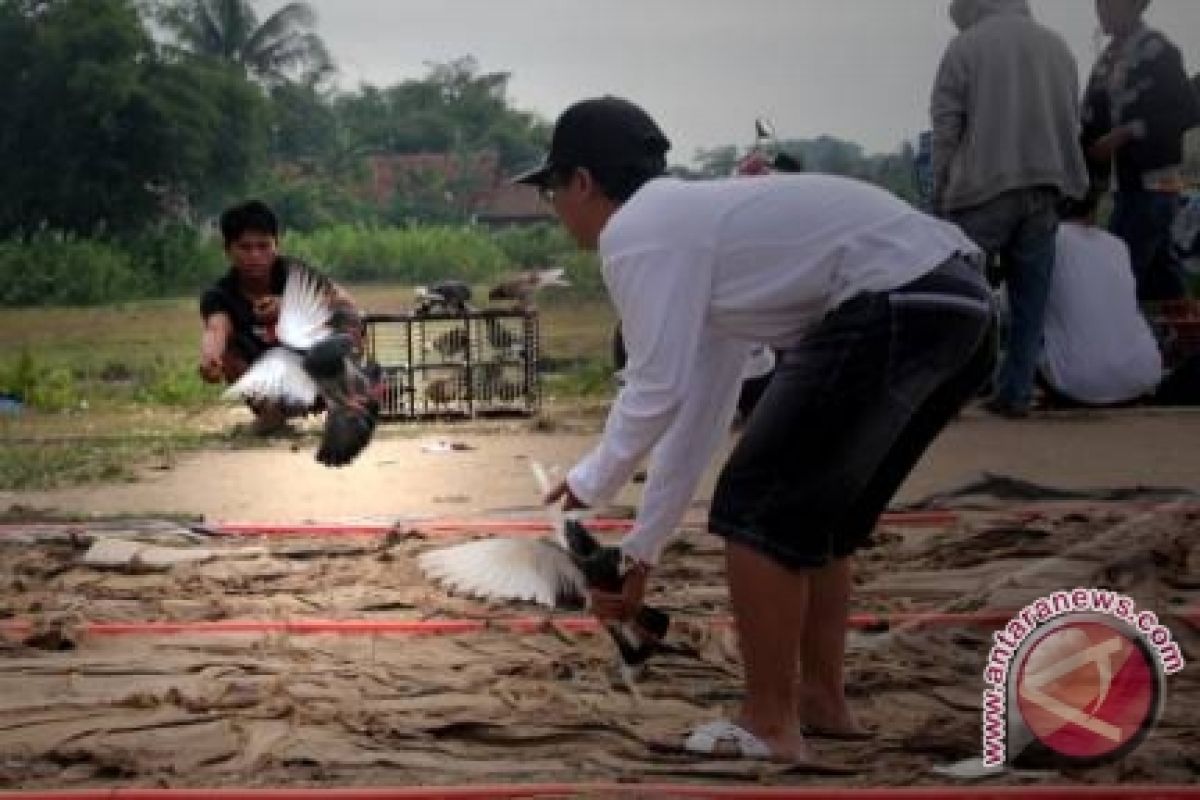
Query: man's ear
587	184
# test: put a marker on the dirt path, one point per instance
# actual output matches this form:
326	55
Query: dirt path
396	477
84	710
287	709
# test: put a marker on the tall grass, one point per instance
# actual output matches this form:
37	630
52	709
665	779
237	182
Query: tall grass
63	270
58	270
403	255
54	269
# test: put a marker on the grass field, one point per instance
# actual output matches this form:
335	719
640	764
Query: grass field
108	390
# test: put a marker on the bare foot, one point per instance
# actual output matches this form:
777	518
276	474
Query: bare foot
828	715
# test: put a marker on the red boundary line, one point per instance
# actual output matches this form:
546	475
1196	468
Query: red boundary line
634	790
519	625
536	527
452	526
532	526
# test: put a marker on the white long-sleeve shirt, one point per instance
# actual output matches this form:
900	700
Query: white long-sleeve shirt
1098	347
699	272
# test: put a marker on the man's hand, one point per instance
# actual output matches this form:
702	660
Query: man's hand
211	371
562	491
212	360
212	348
1104	148
623	605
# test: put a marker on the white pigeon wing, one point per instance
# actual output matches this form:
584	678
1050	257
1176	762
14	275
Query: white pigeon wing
533	570
304	311
277	375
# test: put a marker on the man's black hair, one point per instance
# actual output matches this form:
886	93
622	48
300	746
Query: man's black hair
253	215
619	182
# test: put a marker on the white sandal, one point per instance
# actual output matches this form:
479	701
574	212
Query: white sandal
724	739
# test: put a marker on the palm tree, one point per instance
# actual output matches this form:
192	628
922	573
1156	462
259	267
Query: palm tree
274	51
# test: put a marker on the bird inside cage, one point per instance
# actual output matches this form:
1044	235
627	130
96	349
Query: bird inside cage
522	288
442	391
450	343
501	337
499	386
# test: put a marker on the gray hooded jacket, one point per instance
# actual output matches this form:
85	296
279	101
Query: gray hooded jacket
1005	108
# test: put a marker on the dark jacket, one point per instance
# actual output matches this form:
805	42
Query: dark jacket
1141	82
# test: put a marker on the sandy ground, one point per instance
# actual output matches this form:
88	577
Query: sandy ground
85	711
397	478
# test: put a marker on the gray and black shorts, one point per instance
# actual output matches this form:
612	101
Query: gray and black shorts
849	412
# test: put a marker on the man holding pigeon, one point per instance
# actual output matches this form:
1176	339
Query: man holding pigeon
882	322
241	309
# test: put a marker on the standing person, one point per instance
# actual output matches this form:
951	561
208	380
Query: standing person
1099	350
1138	106
881	321
1005	114
240	310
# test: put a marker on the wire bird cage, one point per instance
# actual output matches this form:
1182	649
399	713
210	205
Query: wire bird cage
456	365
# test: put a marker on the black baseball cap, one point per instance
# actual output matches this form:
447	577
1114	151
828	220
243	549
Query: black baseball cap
602	131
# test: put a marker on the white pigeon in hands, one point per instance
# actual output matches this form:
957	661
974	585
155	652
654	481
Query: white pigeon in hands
317	358
559	573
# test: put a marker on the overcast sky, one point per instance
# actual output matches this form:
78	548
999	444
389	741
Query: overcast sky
856	69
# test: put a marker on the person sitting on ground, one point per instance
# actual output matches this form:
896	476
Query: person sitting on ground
1098	348
240	310
882	323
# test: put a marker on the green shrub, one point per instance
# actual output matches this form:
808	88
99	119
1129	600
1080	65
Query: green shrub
176	259
40	386
175	384
57	269
531	246
403	255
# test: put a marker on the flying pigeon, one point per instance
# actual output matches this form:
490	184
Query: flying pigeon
521	288
450	297
556	573
317	357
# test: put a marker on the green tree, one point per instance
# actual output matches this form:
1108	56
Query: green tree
278	49
99	135
455	108
304	125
